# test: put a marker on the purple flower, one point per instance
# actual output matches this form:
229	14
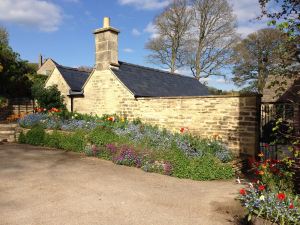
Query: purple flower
112	148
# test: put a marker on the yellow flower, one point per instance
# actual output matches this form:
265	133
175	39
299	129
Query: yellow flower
261	154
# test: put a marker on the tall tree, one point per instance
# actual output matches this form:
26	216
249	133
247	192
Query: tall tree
172	26
255	58
13	71
212	35
3	36
286	18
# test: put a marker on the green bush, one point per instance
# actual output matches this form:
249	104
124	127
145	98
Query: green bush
104	135
199	168
35	136
53	140
73	142
22	138
49	97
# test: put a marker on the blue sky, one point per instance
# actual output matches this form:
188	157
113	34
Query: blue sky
62	29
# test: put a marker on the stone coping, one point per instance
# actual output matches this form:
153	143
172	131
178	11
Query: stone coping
206	96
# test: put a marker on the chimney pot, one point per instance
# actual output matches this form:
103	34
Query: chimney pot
106	22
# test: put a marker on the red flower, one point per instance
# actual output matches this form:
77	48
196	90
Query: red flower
266	145
281	196
291	206
243	191
111	118
261	187
181	129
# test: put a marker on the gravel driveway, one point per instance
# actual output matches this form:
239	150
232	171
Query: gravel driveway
40	186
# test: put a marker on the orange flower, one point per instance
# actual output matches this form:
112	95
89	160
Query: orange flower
261	154
261	172
111	119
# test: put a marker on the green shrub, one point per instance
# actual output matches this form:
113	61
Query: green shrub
53	140
22	138
49	97
199	168
73	142
35	136
104	135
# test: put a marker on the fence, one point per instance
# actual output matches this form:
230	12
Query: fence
17	106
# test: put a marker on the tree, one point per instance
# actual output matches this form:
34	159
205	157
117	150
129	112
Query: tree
13	71
49	97
3	36
212	35
172	26
256	57
286	19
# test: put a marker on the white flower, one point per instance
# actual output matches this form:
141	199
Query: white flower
262	198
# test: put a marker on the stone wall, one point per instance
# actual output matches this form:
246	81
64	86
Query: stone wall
231	119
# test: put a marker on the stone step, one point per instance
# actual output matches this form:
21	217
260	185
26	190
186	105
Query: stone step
8	138
7	132
9	126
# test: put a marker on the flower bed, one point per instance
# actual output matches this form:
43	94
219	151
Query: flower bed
270	194
131	144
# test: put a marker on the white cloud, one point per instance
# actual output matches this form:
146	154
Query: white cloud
136	32
128	50
205	79
146	4
42	14
151	29
246	12
72	1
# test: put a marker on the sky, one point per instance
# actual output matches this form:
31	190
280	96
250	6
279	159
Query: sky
63	29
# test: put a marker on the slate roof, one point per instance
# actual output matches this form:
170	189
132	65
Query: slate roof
74	78
148	82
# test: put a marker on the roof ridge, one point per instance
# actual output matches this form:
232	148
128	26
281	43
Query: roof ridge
72	68
158	70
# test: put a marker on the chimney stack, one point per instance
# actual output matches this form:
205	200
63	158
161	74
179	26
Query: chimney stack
106	40
40	61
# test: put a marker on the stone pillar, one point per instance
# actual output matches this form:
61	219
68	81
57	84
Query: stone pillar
106	40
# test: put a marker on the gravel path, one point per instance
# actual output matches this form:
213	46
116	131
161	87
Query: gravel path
40	186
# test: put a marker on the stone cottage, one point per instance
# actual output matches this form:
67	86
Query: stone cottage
168	100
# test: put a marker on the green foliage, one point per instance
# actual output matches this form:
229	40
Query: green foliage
49	97
203	168
2	101
35	136
104	135
22	138
142	145
68	141
13	71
